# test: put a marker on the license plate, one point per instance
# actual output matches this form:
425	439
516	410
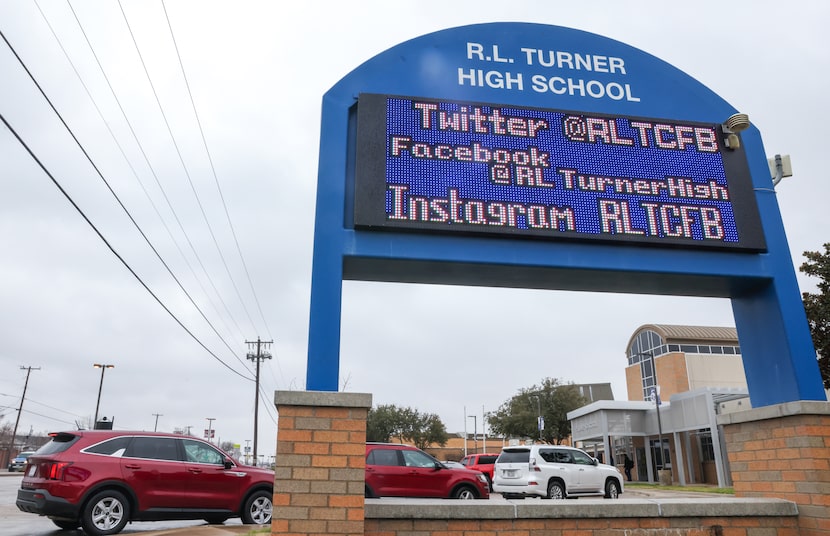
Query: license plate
510	473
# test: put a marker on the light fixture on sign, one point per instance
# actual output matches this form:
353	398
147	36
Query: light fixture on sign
734	124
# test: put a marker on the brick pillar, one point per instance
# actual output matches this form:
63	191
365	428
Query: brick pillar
321	457
783	451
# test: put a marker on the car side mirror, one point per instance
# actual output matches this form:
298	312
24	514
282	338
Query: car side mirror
439	466
596	461
228	463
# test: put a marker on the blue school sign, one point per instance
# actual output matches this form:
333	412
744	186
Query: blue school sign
533	156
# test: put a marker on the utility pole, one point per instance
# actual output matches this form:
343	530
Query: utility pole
260	354
157	415
20	409
103	368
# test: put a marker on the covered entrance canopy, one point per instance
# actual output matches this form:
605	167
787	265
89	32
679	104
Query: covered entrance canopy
689	421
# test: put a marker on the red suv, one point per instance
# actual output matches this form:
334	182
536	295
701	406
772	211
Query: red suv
101	480
394	470
484	462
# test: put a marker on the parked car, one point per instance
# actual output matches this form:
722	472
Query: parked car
483	462
18	463
553	472
395	470
102	479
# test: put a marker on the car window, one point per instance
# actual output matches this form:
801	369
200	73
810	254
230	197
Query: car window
487	460
383	457
552	456
514	456
415	458
465	461
153	448
580	458
60	442
198	452
112	447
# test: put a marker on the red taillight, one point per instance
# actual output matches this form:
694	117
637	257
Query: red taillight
57	469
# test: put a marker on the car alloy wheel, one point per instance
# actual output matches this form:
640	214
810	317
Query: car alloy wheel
258	509
106	513
556	490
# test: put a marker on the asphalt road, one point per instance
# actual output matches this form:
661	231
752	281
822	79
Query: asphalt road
13	522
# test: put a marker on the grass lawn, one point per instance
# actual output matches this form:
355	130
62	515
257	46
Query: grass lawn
703	489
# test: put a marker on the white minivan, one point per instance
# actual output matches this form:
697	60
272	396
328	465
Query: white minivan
553	472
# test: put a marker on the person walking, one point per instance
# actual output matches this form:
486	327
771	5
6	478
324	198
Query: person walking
628	465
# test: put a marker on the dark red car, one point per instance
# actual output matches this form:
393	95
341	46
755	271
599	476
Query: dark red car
394	470
102	479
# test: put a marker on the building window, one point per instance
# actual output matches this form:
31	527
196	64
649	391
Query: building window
645	347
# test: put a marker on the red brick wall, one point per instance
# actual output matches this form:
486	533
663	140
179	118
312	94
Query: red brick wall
616	526
321	454
784	452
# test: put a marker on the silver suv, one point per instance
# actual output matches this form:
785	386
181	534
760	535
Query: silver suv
553	472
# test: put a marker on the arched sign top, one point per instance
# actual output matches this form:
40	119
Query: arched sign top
535	65
534	156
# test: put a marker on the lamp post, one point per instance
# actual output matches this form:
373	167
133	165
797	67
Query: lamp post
540	423
475	439
103	368
655	395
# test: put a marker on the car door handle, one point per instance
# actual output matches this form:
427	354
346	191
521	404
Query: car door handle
194	470
132	466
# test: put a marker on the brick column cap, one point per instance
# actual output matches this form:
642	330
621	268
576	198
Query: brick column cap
329	399
787	409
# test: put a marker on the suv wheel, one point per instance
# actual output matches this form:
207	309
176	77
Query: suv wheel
465	492
258	509
612	489
107	512
556	490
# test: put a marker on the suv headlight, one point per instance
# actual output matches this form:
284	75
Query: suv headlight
482	478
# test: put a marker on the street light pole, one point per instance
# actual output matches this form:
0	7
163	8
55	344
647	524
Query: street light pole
540	424
475	439
655	393
103	368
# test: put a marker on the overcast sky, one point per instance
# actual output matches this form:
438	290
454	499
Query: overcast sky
257	72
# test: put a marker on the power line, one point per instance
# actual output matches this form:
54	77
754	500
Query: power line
213	170
111	248
184	167
135	173
109	187
155	176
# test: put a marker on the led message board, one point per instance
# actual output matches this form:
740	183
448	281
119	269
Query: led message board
446	166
